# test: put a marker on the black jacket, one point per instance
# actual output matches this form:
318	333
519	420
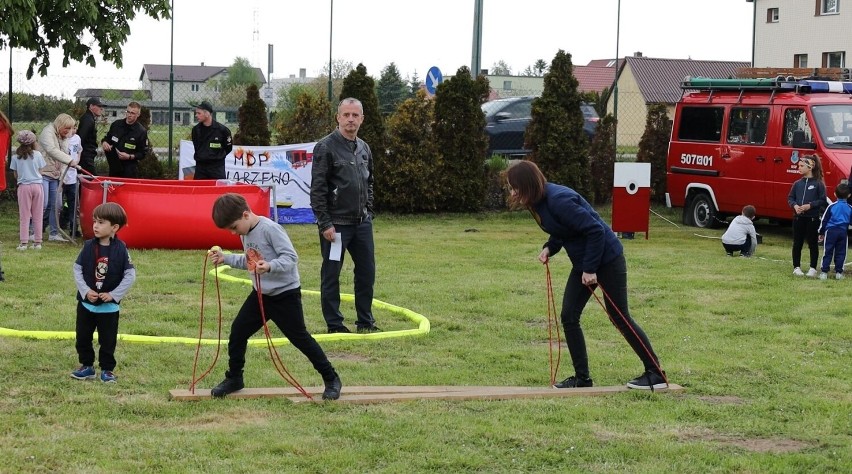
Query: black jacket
132	139
212	144
88	138
808	191
341	181
115	260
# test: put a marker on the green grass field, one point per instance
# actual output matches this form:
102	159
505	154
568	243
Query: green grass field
764	358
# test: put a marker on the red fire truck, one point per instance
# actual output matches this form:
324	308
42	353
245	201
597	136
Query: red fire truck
737	141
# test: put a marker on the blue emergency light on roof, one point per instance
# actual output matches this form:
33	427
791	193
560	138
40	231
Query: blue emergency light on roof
828	86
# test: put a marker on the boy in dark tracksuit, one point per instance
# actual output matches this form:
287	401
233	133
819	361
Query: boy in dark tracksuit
833	232
103	273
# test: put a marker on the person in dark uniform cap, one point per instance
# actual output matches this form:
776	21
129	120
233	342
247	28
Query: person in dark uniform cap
212	142
88	132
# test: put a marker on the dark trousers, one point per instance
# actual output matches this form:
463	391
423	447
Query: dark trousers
107	326
836	242
68	216
744	248
357	240
612	277
122	169
805	229
214	171
87	161
285	310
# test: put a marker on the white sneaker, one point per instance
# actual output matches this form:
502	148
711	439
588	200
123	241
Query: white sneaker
21	247
36	247
823	276
57	238
811	273
798	272
838	276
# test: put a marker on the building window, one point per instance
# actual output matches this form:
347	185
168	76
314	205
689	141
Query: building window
194	88
834	59
772	15
507	85
800	60
828	7
177	117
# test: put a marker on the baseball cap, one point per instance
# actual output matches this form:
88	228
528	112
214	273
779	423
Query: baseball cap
94	101
205	106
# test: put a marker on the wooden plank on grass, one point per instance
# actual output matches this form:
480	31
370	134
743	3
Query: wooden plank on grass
277	392
378	394
479	393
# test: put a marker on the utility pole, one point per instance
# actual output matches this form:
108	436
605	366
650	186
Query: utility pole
476	56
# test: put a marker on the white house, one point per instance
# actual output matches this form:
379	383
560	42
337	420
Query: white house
801	33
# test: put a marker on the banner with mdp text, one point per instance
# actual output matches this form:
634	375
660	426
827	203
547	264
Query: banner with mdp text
285	167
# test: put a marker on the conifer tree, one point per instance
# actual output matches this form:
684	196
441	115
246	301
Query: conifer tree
555	134
310	120
654	148
460	137
253	121
413	162
391	89
602	157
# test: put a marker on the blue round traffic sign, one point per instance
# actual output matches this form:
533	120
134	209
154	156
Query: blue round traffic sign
433	78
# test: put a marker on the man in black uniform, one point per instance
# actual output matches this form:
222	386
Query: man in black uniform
125	143
212	142
88	132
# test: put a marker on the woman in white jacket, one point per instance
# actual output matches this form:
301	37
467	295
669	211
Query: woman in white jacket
53	140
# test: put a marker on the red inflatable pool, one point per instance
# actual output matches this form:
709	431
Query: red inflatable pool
167	214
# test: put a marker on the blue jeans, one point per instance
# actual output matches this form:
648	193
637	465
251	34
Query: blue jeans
51	208
358	241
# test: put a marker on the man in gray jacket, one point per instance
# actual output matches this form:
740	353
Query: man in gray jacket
342	201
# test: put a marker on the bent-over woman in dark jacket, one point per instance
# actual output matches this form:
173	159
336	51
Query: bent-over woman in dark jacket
597	258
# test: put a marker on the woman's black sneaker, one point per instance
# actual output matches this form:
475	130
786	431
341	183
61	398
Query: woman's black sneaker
229	385
648	381
573	382
332	389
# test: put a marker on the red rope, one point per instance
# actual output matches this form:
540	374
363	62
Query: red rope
273	353
201	326
552	327
624	318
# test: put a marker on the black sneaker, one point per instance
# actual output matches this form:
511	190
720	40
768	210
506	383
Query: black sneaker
341	329
368	330
573	382
229	385
648	381
332	389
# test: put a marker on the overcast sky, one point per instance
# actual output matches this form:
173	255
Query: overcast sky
415	35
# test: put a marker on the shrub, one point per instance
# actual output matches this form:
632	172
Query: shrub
408	176
602	157
555	134
460	136
654	147
253	123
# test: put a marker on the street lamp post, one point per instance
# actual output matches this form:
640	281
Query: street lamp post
172	88
330	28
615	84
